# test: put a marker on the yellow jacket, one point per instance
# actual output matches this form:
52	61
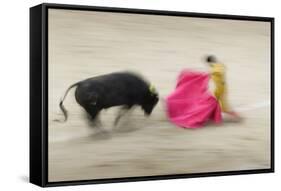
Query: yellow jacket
218	76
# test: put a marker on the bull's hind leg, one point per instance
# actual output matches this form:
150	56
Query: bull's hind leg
93	113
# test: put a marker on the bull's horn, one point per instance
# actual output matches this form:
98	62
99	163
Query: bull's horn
152	89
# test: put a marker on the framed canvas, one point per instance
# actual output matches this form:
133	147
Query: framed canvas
122	95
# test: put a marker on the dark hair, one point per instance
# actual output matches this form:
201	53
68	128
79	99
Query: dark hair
211	59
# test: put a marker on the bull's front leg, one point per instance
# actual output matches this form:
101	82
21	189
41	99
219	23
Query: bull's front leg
121	113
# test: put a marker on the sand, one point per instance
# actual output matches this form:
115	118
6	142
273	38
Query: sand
83	44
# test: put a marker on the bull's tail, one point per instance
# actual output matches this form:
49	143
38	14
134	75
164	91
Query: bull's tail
64	111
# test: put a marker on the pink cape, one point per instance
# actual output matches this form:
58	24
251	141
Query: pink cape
191	104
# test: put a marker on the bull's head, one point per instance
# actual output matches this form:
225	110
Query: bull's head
150	100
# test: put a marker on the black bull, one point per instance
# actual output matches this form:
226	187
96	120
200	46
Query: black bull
115	89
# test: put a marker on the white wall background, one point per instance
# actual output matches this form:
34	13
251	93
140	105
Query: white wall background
14	96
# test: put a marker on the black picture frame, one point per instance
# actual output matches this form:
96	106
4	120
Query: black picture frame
39	92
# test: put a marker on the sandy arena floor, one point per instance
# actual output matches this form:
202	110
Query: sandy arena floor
84	44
